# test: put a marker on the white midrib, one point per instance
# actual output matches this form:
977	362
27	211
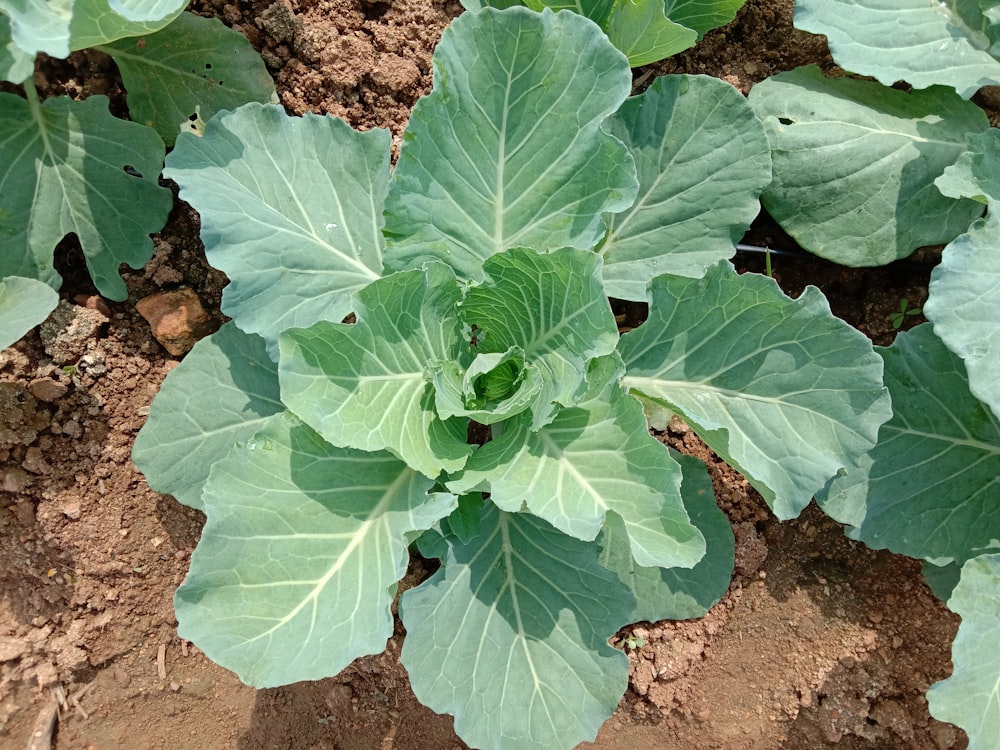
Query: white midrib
498	191
507	547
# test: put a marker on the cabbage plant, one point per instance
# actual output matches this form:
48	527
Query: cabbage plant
427	357
70	167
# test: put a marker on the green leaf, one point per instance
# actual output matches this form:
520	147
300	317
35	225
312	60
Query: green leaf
511	636
97	22
194	65
855	163
970	698
703	159
40	25
929	488
70	167
676	593
702	15
780	388
24	303
640	29
554	307
941	579
367	385
16	65
220	394
507	150
291	579
596	10
592	459
313	189
965	285
962	305
493	388
922	43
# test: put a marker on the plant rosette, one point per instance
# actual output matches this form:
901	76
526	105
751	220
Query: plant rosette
529	189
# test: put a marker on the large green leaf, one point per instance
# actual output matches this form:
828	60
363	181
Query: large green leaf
16	65
676	593
97	22
702	15
855	163
24	303
292	577
508	150
592	459
966	284
970	698
40	25
920	42
640	29
929	488
368	385
194	66
554	307
703	159
511	636
596	10
220	394
56	27
70	167
645	30
291	210
780	388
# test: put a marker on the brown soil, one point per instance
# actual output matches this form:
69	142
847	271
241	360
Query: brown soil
818	643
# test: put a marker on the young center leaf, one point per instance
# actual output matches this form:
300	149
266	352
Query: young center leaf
551	305
929	487
291	210
855	162
703	159
511	635
292	577
780	388
71	167
222	392
507	150
369	385
595	458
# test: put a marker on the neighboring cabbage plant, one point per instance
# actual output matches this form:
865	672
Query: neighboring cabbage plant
70	167
645	30
429	355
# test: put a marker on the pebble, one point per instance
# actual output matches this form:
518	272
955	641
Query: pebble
177	319
123	678
47	389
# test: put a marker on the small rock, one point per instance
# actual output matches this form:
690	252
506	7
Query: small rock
47	389
72	510
67	331
35	462
14	480
177	319
20	418
93	302
122	677
13	648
